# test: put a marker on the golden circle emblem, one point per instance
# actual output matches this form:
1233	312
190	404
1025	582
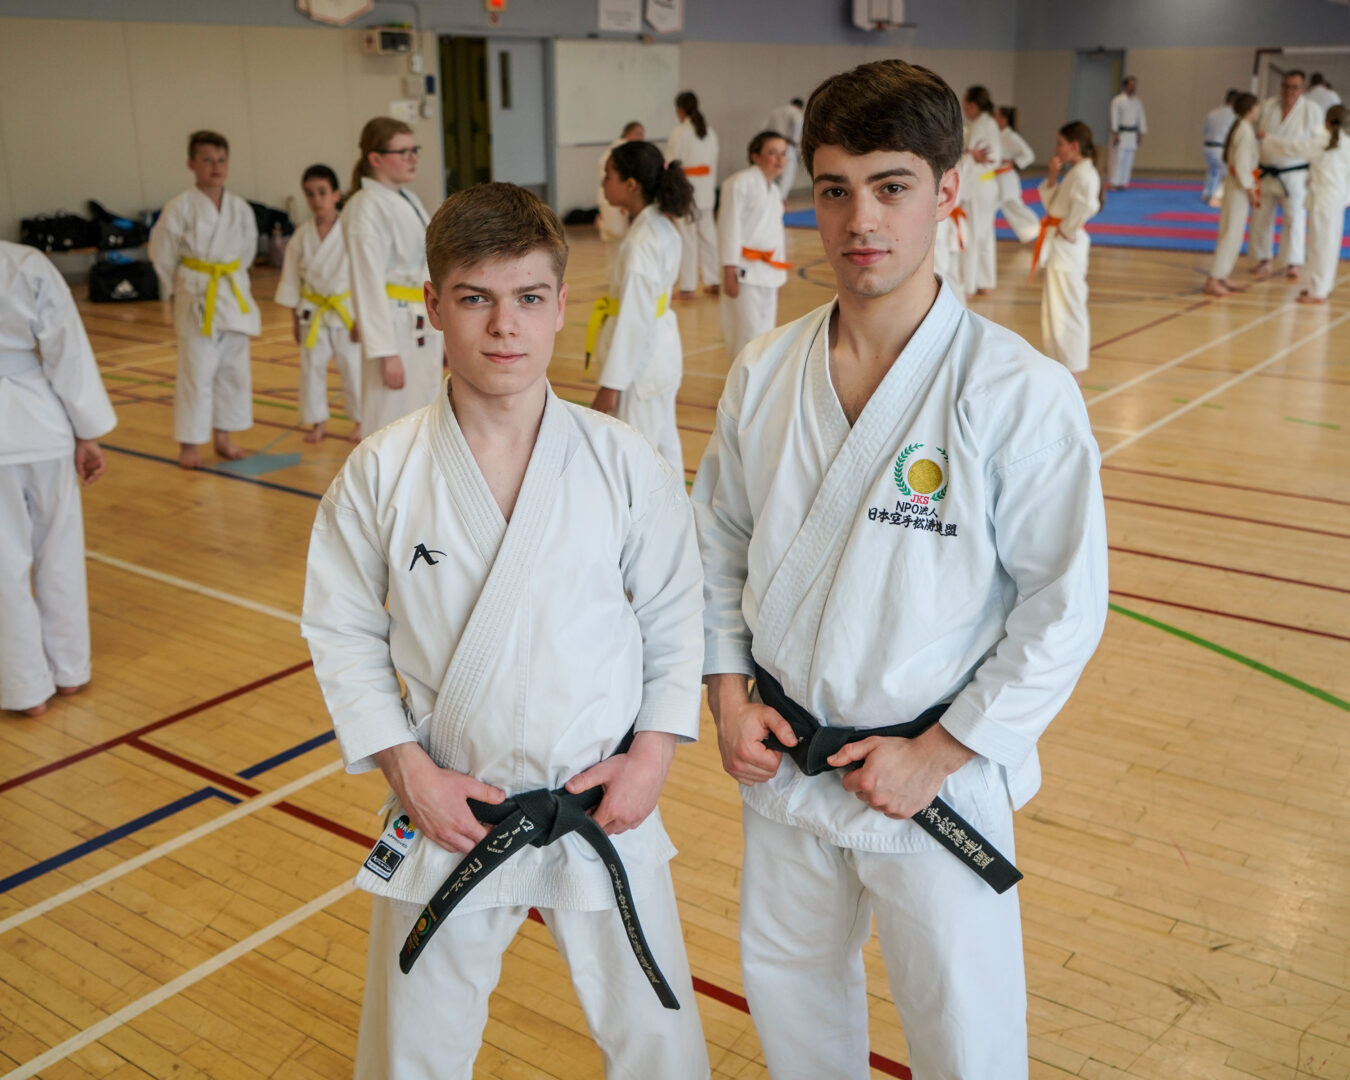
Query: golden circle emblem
925	476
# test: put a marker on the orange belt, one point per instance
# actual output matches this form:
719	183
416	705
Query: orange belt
1005	168
1256	187
755	255
1047	223
697	170
958	215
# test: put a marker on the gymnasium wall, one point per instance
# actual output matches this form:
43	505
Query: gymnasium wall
95	109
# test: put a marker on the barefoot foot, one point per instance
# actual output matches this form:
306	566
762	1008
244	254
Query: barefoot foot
314	434
355	436
1307	298
227	449
66	691
686	294
1215	287
189	457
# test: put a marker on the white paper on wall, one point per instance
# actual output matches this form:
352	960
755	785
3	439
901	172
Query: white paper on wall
620	16
666	16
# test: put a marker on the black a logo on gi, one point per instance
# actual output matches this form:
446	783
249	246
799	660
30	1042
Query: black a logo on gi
421	551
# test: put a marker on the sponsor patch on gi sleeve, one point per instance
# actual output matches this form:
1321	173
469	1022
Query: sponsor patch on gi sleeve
391	848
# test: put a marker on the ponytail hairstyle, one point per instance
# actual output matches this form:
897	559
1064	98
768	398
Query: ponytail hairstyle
375	136
1335	124
665	185
1078	132
1009	113
1242	105
979	97
687	102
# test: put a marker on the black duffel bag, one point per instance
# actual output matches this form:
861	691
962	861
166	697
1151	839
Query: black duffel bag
58	232
122	281
116	232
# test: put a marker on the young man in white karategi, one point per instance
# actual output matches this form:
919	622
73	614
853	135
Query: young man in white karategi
201	247
1218	122
751	243
527	569
610	220
52	408
787	121
1320	92
1284	180
694	145
316	285
899	509
1129	125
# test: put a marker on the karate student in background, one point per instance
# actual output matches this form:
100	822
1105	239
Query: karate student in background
202	246
751	243
1128	128
1071	194
981	194
1218	122
1284	179
641	358
384	225
891	444
1329	164
547	631
1016	155
611	221
52	407
787	121
1241	191
694	145
1321	93
316	285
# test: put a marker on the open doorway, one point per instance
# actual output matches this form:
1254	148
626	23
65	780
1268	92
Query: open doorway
465	116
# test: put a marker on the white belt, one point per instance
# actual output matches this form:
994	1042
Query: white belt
18	362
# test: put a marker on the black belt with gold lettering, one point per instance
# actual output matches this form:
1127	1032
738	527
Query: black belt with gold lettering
817	742
537	818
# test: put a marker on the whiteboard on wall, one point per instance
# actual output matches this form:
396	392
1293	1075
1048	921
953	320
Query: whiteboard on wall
601	85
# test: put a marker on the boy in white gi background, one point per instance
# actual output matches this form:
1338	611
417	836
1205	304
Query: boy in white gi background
899	509
543	596
52	407
202	246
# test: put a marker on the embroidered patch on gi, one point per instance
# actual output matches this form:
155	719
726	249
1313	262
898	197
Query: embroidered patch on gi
922	476
391	848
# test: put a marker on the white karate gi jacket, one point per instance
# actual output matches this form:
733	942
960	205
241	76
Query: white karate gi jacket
1323	97
1074	200
690	151
1305	121
190	226
1244	158
525	662
751	216
642	353
984	585
54	394
1128	112
1018	154
1328	170
318	265
1218	122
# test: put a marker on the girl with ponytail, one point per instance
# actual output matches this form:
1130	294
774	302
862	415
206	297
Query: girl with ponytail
1328	157
385	224
1016	155
632	329
694	146
1063	246
1241	192
979	192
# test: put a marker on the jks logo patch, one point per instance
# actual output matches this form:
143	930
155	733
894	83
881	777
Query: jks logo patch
923	476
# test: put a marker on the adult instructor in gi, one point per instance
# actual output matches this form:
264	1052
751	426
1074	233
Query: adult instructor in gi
899	508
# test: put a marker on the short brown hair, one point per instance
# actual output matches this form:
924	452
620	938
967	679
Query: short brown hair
885	105
206	138
492	221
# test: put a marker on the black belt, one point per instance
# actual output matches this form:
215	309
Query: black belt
1218	144
1135	128
1278	170
537	818
816	742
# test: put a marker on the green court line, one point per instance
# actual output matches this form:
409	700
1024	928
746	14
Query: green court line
1087	387
1313	423
1255	665
1203	404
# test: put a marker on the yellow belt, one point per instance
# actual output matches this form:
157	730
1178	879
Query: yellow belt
322	304
992	174
409	293
217	271
608	307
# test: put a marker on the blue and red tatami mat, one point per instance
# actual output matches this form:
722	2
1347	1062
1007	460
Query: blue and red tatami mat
1159	214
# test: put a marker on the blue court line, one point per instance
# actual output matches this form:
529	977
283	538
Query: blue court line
216	472
286	755
79	850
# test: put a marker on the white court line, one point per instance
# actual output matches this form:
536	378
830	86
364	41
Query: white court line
1272	359
192	586
188	978
252	806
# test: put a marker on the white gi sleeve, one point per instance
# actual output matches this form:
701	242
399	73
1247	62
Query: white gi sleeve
67	360
662	574
729	226
1143	121
288	288
725	522
368	249
347	627
164	246
1074	211
1117	111
1050	531
1280	146
1022	154
630	346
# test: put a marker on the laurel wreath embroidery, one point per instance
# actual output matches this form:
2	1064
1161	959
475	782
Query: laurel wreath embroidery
899	473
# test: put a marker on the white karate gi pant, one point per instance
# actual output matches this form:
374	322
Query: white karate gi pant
698	250
1066	332
654	418
1326	225
789	172
44	631
1232	227
947	257
333	343
1290	190
979	262
423	372
744	318
953	951
1122	165
214	385
1216	170
428	1024
1026	226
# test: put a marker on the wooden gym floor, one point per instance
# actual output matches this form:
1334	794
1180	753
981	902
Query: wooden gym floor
178	840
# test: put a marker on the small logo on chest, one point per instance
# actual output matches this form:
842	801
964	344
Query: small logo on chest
421	551
921	476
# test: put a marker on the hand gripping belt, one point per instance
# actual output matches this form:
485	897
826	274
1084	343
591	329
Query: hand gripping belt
537	818
817	742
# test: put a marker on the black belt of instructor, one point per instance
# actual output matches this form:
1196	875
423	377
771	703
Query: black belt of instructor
1218	144
1134	127
536	819
817	742
1278	172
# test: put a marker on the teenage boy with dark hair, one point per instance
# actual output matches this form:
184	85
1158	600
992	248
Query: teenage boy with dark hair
900	518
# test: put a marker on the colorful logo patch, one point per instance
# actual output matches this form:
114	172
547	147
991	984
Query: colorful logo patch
917	473
403	827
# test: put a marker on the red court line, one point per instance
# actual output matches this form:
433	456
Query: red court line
126	737
1229	517
1231	615
186	764
1227	484
1227	569
1149	326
